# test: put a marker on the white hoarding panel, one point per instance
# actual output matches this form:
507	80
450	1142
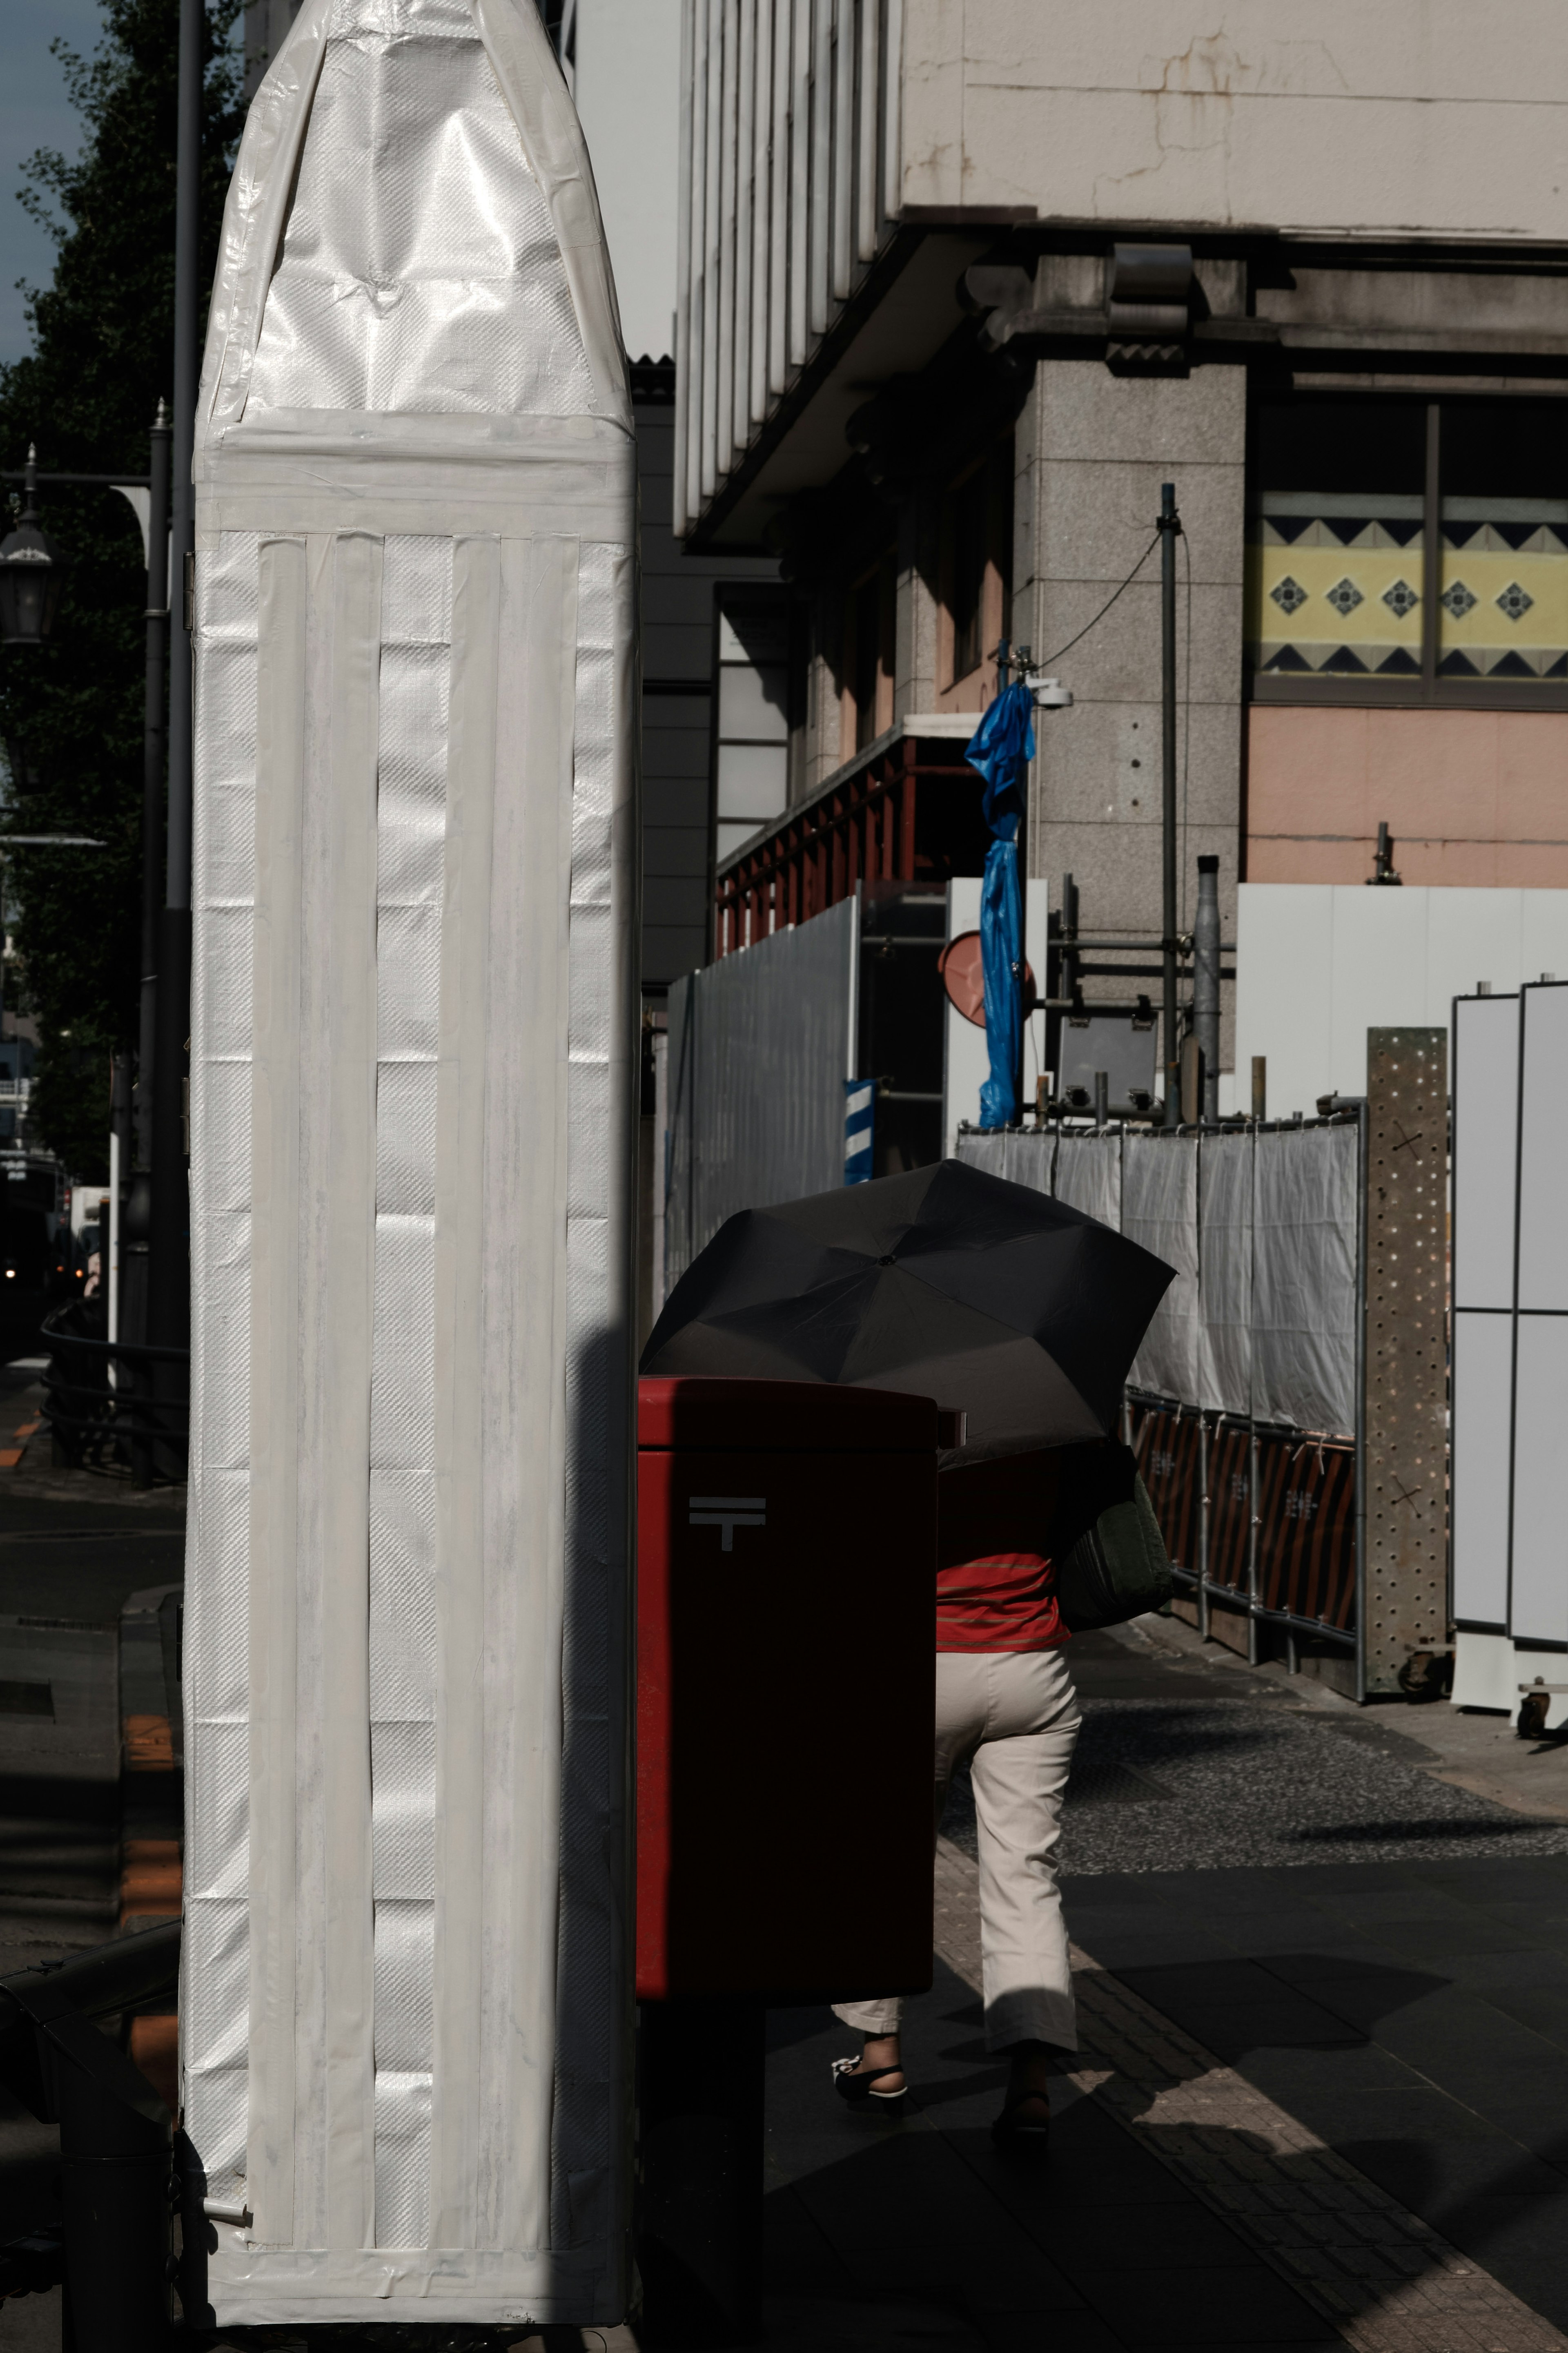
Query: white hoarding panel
1539	1612
1484	1080
1482	1457
966	1061
1318	965
405	2012
1543	1151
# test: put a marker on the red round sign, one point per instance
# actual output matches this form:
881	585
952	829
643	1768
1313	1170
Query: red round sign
964	978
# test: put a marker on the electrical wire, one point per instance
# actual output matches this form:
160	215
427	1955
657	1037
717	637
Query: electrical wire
1100	616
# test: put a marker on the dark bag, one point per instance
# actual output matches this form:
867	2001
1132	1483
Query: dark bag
1110	1559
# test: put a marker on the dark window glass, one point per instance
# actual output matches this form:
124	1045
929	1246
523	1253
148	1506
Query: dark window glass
1335	539
1503	598
1366	447
1509	449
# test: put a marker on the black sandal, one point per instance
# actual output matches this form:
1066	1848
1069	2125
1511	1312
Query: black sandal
1011	2130
856	2083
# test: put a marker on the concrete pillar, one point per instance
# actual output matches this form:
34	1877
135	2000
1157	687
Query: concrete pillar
1093	449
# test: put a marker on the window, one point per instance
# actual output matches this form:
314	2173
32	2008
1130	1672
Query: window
752	715
1409	551
977	547
1504	597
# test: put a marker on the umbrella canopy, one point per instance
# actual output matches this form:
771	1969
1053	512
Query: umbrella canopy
989	1297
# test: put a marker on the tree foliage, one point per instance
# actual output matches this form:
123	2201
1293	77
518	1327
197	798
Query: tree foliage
71	713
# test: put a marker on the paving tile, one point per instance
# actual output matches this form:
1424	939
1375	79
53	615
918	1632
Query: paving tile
1155	2238
1365	1997
797	2257
1432	1939
1438	2178
1057	2332
1521	2239
1290	2075
1458	2025
1092	2162
1203	2308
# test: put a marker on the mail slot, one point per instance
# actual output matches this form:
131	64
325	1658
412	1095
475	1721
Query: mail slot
785	1671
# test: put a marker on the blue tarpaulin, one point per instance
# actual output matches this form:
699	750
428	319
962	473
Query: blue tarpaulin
1001	748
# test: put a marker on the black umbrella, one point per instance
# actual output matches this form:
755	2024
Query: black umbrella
991	1299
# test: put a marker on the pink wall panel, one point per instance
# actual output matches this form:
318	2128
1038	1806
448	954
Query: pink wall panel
1470	797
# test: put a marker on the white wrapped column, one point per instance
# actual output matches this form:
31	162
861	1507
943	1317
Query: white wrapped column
406	2011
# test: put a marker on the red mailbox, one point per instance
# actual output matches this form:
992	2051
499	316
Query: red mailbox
787	1542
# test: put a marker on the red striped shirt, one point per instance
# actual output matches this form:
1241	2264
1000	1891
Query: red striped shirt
994	1591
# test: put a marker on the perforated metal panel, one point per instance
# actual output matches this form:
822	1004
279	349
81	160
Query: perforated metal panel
1406	1586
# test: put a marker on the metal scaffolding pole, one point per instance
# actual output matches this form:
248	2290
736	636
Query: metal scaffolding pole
1170	527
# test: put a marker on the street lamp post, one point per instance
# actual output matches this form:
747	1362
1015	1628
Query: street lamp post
31	570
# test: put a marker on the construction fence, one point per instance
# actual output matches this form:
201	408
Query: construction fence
1268	1418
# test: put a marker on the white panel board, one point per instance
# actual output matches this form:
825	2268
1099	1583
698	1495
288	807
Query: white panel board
1036	938
1482	1462
1377	975
1540	1600
966	1065
1486	1673
1484	1081
1284	964
1543	1151
1318	965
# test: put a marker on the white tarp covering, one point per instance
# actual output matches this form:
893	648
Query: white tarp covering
1304	1278
1088	1176
1225	1275
1262	1229
405	2012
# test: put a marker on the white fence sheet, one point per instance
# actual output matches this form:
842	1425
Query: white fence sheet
1304	1278
1262	1229
1159	1209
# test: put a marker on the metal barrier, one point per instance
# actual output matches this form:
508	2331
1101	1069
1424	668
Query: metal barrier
1260	1519
1288	1403
111	1402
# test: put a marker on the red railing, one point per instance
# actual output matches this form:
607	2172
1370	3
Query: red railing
909	807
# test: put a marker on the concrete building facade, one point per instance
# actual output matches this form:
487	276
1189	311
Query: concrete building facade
962	282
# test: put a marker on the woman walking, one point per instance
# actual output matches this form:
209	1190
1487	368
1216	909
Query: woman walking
1004	1704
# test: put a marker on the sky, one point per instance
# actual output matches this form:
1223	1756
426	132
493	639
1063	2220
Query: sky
33	113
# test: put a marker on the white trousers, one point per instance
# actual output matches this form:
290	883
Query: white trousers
1014	1714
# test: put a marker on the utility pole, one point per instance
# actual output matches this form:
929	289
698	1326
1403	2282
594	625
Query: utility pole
154	750
1170	526
169	1319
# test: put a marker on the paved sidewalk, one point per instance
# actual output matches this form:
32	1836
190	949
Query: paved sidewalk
1324	2097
